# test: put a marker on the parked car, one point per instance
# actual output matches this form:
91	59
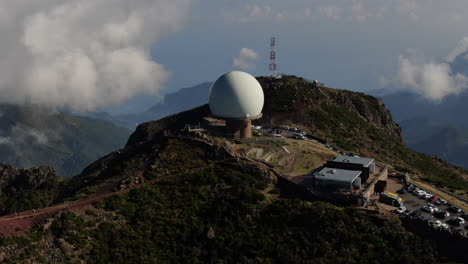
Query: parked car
406	212
454	222
454	209
422	195
427	209
298	136
434	198
428	196
465	216
462	221
442	214
430	204
277	135
293	129
445	226
441	202
402	191
437	223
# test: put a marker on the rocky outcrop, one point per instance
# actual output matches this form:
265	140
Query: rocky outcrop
22	189
291	96
12	178
371	109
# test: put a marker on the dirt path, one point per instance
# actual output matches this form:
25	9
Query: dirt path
18	224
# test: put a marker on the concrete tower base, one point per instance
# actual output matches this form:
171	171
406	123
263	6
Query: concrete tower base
239	128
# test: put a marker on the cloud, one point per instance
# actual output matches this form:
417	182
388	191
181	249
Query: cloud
259	11
22	136
408	8
433	80
81	54
331	12
461	48
245	59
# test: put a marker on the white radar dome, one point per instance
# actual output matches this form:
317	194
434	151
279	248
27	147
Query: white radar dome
236	95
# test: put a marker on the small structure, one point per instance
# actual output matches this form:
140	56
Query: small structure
332	179
237	97
366	162
365	165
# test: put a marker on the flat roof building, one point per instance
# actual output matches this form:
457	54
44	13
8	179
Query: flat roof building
365	162
338	179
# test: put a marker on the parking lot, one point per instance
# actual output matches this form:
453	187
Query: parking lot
414	203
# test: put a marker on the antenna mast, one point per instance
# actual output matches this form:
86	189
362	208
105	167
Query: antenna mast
272	57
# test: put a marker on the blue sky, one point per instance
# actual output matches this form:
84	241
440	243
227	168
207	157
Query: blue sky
346	44
86	55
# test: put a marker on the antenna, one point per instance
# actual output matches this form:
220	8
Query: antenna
272	57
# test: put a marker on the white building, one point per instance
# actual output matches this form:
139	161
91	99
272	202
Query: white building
338	179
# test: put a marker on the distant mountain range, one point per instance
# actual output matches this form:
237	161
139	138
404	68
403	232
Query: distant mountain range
434	128
437	137
173	103
31	136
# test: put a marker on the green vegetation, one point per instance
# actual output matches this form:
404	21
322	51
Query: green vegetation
221	215
26	199
169	222
354	122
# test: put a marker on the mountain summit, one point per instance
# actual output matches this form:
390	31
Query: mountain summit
174	193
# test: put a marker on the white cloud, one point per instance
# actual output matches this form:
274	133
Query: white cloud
408	8
331	12
82	54
461	48
259	11
22	136
246	59
432	80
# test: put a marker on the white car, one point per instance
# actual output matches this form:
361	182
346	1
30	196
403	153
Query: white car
277	135
441	201
427	209
400	210
428	196
462	221
437	223
445	226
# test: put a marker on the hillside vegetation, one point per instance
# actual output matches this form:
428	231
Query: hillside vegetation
192	201
222	212
355	122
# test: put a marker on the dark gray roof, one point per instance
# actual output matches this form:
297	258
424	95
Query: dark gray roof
337	175
351	159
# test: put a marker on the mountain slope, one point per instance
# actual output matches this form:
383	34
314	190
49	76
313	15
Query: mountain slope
437	138
24	189
182	100
183	196
32	136
204	206
424	121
